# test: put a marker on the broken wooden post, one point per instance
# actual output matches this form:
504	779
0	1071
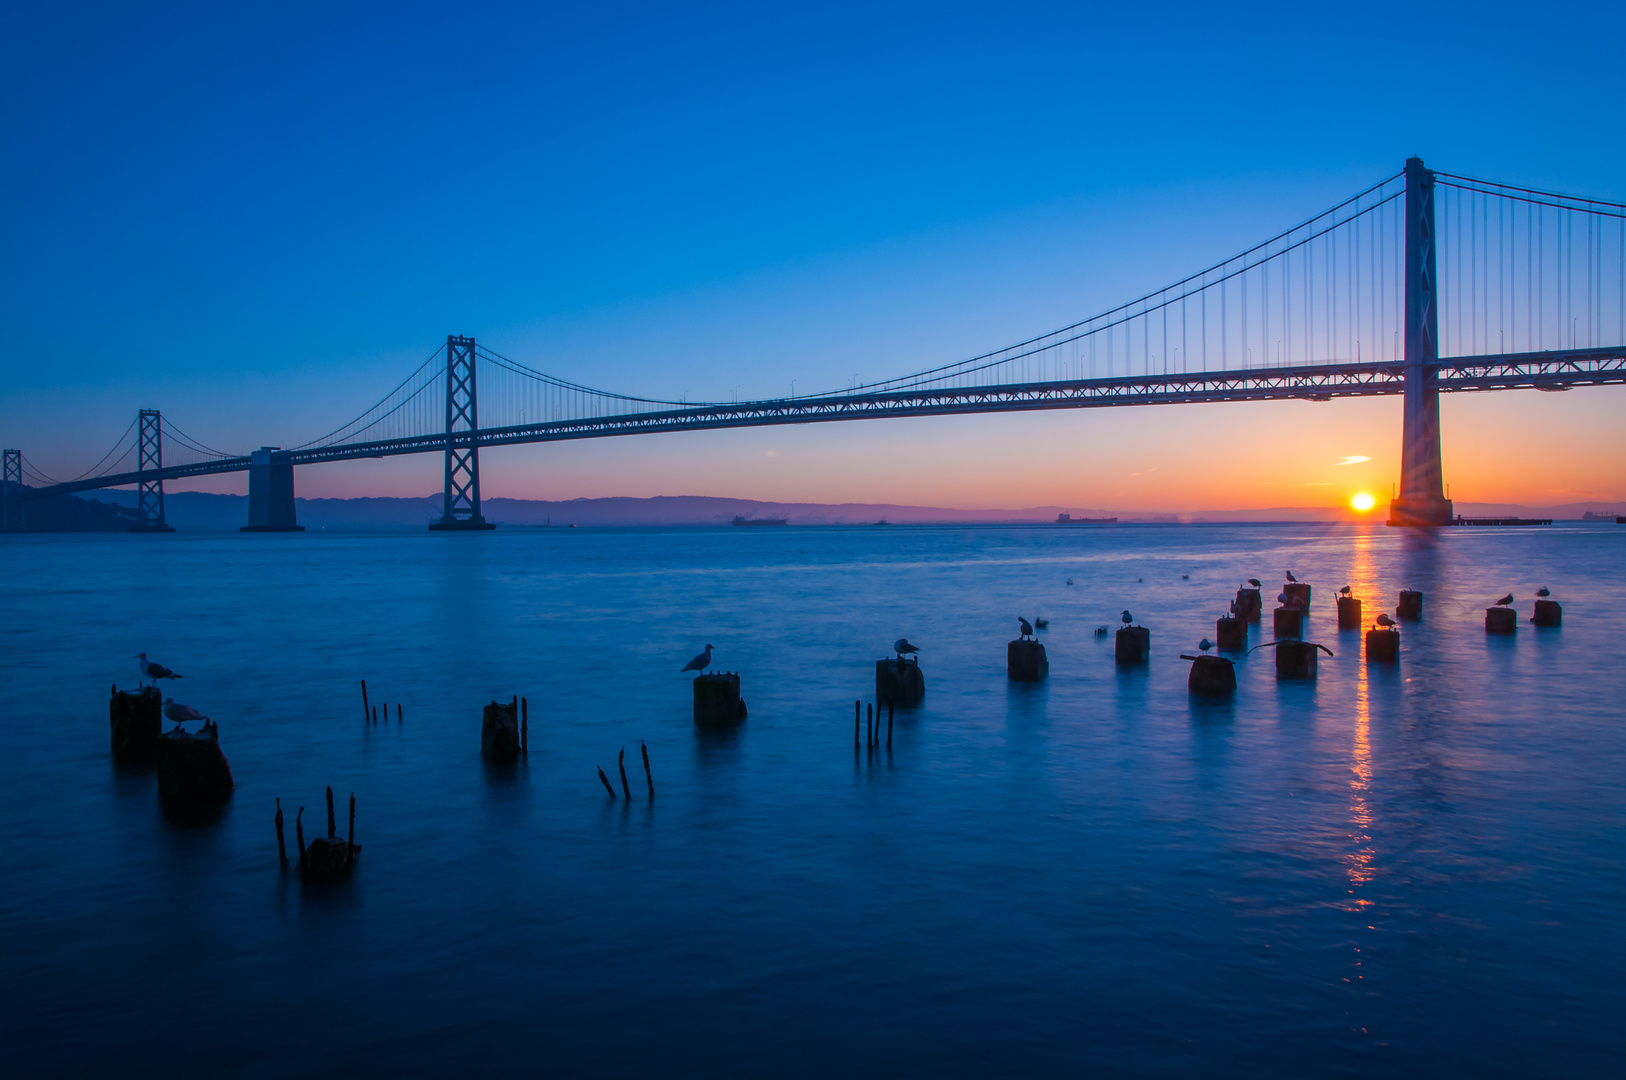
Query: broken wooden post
332	825
858	719
1349	613
375	714
1411	605
499	731
135	722
1249	605
899	680
1211	676
621	763
1548	613
299	833
605	780
1382	645
1231	634
1288	622
1501	620
525	728
350	836
282	850
1132	645
364	706
889	725
1025	661
649	776
192	772
717	701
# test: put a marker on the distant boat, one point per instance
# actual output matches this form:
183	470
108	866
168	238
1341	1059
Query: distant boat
883	521
1068	519
1605	516
738	520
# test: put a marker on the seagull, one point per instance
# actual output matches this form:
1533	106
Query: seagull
1344	591
1125	618
1040	623
1384	620
701	662
1027	627
1254	582
1290	576
1544	591
1281	598
902	646
1505	601
152	669
181	713
1205	644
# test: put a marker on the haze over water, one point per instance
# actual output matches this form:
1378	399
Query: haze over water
1408	870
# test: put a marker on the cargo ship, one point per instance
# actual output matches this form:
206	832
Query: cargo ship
1068	519
738	520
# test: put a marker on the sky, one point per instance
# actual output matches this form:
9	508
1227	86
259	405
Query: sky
259	217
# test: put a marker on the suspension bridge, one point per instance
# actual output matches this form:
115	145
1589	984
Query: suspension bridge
1424	283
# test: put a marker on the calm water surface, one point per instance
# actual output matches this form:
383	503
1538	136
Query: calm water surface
1407	871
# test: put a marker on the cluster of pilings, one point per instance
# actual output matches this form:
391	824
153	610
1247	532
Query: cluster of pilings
192	772
621	765
867	721
326	857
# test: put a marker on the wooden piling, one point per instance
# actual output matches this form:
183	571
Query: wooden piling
282	850
621	763
889	725
525	728
858	718
375	714
299	833
869	724
397	712
364	699
649	776
605	780
332	825
350	837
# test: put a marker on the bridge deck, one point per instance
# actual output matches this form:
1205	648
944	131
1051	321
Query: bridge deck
1557	370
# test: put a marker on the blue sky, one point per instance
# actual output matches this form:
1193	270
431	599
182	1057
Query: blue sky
258	217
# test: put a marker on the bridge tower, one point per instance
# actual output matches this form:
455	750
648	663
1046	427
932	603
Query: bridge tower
460	509
150	459
1422	498
11	488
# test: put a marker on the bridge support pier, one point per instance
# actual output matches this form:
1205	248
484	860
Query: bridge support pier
1422	498
271	493
11	490
460	509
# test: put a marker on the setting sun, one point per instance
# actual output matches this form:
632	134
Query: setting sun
1363	502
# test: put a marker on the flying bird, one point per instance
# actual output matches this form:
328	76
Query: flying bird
1505	601
152	669
1125	618
1254	582
1290	576
1027	627
1384	620
699	663
1205	644
902	646
1344	591
179	713
1544	591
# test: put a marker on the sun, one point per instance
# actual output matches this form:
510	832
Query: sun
1363	502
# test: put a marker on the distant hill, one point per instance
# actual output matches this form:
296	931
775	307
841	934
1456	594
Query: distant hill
200	512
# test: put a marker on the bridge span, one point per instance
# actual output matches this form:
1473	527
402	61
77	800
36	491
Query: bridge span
1375	274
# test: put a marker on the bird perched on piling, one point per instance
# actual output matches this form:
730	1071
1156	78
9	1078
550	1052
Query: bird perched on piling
152	669
1384	621
699	663
1544	591
1345	591
1290	576
1027	627
902	646
181	714
1254	582
1204	645
1125	618
1505	601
